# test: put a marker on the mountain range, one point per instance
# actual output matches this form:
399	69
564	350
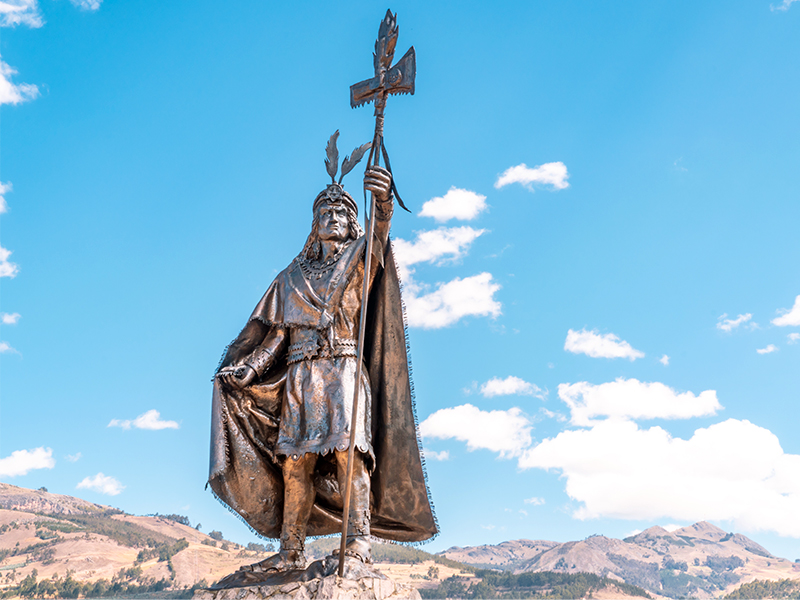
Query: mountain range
699	561
62	539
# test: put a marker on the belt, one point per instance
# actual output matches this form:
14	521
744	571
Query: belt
310	350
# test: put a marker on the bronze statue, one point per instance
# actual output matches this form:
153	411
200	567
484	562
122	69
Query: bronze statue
283	421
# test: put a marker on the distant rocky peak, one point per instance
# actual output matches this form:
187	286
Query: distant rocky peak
702	530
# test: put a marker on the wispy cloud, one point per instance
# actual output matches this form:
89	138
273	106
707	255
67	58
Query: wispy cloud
664	360
87	4
633	399
507	432
149	420
793	338
14	93
597	345
435	246
73	457
9	318
5	348
433	455
20	12
511	386
457	203
535	501
4	189
7	268
768	350
789	317
104	484
21	462
785	5
553	174
729	325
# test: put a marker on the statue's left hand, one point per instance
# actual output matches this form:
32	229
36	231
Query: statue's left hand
237	377
378	181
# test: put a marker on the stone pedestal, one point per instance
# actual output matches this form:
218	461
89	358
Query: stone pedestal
328	587
318	581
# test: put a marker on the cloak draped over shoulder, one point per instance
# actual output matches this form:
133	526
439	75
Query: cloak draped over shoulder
245	471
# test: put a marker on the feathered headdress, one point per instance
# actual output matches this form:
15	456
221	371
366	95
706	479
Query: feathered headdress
334	192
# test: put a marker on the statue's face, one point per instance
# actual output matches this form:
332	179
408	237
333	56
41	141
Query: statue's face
333	223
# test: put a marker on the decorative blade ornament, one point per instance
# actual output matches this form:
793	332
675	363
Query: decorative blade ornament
398	79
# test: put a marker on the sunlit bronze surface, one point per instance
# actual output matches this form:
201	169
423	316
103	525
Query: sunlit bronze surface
282	397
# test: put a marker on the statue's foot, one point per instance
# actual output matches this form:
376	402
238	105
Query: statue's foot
285	560
359	548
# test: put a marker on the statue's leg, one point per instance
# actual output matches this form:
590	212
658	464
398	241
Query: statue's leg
298	500
358	544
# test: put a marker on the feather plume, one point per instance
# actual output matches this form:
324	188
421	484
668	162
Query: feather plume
352	160
332	156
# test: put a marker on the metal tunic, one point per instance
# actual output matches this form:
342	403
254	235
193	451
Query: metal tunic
316	410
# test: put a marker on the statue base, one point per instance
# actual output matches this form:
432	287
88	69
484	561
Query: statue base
319	580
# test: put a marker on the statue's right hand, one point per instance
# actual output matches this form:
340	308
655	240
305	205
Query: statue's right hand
237	377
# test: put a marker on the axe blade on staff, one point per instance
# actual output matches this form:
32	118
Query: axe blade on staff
397	79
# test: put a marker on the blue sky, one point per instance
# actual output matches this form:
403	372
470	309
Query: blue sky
600	268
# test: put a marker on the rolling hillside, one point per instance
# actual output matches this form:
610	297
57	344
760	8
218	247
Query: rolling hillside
698	561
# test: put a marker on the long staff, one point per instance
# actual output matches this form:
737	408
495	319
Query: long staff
388	80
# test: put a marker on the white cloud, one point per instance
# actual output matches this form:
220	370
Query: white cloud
439	246
664	360
73	457
433	455
593	344
732	470
460	204
7	269
14	93
5	347
731	324
4	189
104	484
511	386
553	415
22	461
633	399
768	350
148	420
784	6
507	432
451	301
793	338
20	12
535	501
671	527
9	318
87	4
789	317
553	174
633	533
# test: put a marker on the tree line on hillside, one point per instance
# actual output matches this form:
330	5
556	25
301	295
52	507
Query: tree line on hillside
755	590
544	584
127	582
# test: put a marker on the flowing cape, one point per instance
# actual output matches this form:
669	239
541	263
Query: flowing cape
244	472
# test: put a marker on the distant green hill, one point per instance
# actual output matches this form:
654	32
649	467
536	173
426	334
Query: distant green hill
494	584
760	588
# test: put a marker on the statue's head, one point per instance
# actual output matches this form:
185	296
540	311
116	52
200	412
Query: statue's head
335	218
335	211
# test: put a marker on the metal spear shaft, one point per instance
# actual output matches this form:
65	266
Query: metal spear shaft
377	140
